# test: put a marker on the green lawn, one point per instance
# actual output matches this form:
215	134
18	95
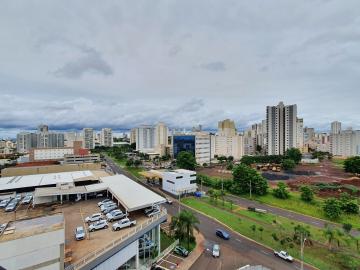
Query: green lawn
133	170
165	240
338	162
314	209
242	220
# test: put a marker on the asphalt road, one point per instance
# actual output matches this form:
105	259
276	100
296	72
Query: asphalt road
234	253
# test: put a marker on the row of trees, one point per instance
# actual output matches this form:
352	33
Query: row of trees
333	208
352	165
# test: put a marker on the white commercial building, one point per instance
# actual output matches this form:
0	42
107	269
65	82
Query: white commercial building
106	137
88	138
71	137
202	147
36	243
281	123
179	181
41	154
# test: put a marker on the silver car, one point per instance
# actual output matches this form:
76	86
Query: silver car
98	225
109	209
79	233
11	206
4	203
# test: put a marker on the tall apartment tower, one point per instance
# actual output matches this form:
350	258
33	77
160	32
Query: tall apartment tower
145	138
335	127
226	128
88	138
106	137
299	133
281	124
25	141
43	128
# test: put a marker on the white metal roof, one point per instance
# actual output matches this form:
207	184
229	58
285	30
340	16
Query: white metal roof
37	180
130	194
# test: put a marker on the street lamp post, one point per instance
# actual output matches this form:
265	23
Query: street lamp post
302	243
250	188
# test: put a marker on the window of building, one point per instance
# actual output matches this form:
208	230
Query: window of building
178	177
171	182
193	182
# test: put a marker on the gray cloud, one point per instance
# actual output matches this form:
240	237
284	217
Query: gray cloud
91	62
148	61
214	66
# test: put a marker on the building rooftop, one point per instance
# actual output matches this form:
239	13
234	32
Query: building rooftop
29	227
36	180
130	194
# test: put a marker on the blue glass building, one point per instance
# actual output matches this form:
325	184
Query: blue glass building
183	143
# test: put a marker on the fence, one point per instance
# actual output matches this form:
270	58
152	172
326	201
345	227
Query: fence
91	256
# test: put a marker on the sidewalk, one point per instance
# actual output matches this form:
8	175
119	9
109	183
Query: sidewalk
195	254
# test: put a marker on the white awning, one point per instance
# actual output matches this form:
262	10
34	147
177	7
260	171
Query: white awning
130	194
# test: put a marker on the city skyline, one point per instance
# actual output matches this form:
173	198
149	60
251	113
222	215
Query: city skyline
140	64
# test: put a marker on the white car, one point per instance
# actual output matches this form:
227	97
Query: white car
123	224
98	225
93	217
150	209
110	208
115	215
283	255
79	233
27	199
11	206
106	205
154	212
4	203
216	251
103	201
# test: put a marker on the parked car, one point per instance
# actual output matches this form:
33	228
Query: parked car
93	217
123	224
2	227
98	225
11	206
283	255
115	215
216	251
27	199
168	201
4	203
154	212
223	234
79	233
106	205
109	209
103	201
18	197
150	209
181	251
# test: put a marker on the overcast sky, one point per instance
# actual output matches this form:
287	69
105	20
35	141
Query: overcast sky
72	64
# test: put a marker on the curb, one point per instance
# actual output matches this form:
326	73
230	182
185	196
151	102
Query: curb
249	239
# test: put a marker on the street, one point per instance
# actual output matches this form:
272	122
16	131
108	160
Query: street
236	252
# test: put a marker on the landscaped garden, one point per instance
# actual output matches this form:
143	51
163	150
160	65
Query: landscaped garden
327	249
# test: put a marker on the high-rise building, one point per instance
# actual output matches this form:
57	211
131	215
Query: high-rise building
88	138
25	141
181	143
202	147
133	136
255	139
346	143
47	139
299	133
281	127
71	137
106	137
43	128
145	138
226	128
335	127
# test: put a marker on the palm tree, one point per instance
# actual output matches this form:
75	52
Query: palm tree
329	234
184	224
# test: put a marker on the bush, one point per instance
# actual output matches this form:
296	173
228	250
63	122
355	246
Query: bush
307	194
186	160
294	154
352	165
347	227
281	191
288	164
332	208
348	205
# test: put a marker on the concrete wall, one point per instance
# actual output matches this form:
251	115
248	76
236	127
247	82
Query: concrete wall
16	171
41	251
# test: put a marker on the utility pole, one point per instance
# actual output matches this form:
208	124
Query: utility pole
302	243
250	188
179	204
222	184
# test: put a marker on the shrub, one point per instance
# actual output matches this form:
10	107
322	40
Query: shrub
288	164
352	165
281	191
332	208
307	194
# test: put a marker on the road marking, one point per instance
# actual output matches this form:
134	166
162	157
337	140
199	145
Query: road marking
168	262
176	256
264	252
238	240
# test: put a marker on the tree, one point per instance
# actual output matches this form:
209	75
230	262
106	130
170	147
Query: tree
184	224
129	162
261	229
229	166
137	162
253	228
186	160
281	191
348	204
300	233
332	208
288	164
352	164
307	194
294	154
245	178
329	234
347	227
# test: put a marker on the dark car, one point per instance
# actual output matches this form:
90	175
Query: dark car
181	251
223	234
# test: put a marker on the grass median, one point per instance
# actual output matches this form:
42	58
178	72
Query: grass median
265	228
